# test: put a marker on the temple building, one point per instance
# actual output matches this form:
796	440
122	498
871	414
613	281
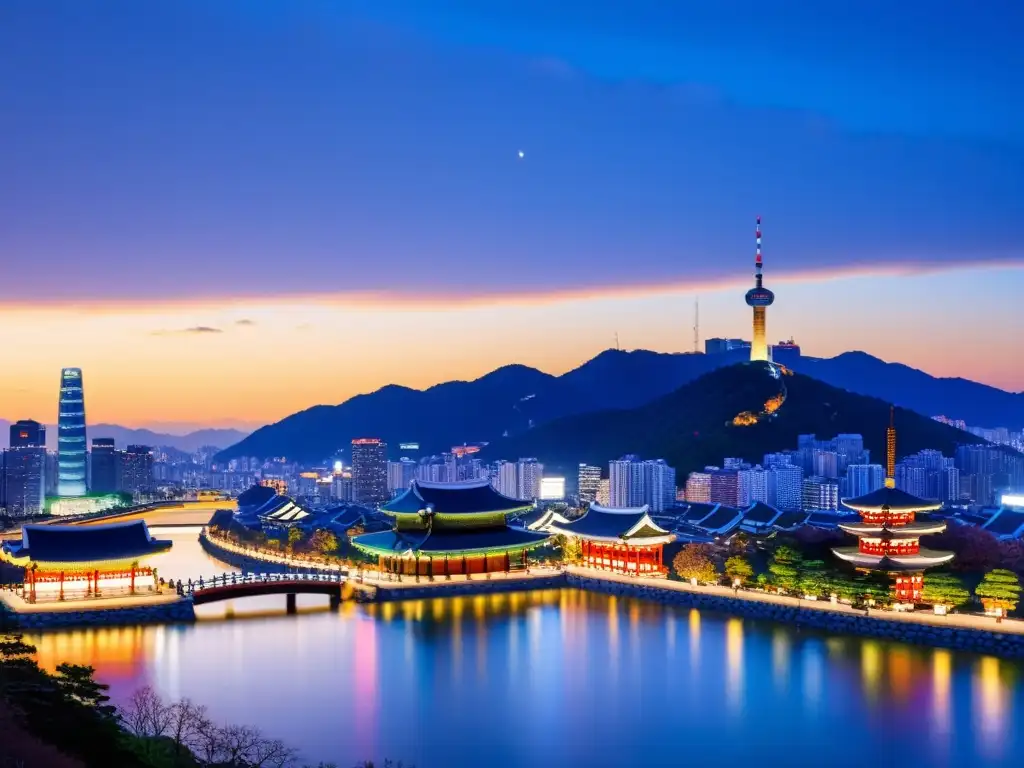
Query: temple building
444	529
623	540
889	534
66	562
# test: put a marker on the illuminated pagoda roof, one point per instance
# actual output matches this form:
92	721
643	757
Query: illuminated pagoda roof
882	530
464	498
283	511
630	525
926	558
891	499
78	546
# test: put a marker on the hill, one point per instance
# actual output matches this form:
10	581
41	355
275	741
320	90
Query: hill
692	427
514	399
189	443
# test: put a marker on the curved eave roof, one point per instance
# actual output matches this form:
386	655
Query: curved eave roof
908	531
892	499
628	525
69	544
927	558
473	497
442	543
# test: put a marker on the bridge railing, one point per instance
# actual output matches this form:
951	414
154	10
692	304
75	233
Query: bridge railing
191	587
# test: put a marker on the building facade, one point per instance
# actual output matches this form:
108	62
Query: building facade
370	470
137	472
71	445
105	462
24	469
588	479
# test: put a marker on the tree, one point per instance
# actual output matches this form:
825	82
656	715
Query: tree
785	567
355	530
976	550
294	537
999	590
322	541
814	578
694	562
944	589
569	547
738	569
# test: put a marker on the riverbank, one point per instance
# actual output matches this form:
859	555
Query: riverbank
956	631
166	608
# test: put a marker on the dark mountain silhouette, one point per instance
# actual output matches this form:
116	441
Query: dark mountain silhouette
516	398
693	427
124	436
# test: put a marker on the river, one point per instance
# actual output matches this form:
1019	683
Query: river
558	678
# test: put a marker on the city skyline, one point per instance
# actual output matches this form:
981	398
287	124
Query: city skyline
545	177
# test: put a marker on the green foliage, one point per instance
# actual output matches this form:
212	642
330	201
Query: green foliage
815	579
944	589
785	569
694	562
569	547
294	536
738	568
999	589
322	541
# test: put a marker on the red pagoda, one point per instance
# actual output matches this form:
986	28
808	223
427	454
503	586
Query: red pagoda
621	540
889	534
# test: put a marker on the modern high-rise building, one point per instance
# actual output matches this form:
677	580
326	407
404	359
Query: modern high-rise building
698	487
604	494
659	485
588	479
71	446
24	469
752	486
105	462
528	476
401	473
626	481
724	487
824	463
785	487
137	470
504	479
862	479
370	470
820	493
760	298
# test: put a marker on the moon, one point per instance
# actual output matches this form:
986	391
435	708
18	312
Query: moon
521	154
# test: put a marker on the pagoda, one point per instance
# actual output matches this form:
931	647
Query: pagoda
889	534
624	540
68	562
445	529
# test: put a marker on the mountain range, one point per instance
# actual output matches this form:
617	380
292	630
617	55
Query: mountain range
693	427
515	399
193	441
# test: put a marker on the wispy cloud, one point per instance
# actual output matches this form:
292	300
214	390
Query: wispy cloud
194	330
245	321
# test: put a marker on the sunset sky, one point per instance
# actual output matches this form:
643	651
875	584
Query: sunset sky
227	212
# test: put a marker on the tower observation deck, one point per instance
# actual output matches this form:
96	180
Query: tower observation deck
760	298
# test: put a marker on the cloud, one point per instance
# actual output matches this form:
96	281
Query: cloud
245	321
194	330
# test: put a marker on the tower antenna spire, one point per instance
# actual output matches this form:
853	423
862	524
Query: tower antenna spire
890	450
759	298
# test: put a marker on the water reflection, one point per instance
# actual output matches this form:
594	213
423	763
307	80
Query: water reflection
372	680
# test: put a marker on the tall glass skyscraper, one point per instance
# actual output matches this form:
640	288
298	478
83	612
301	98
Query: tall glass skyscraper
71	448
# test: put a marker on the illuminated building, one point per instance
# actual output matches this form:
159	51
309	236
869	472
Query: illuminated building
71	435
760	298
724	487
401	473
370	470
445	529
137	474
588	479
24	469
698	487
552	488
528	476
820	494
621	540
278	485
862	479
888	535
105	463
604	492
64	562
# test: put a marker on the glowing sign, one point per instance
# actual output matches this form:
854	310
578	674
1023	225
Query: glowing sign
71	373
337	467
409	446
552	488
1013	500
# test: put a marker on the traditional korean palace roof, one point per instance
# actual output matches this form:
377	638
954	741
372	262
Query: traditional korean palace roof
892	499
283	511
697	511
252	500
466	498
453	543
71	546
926	558
722	521
632	525
880	530
540	519
760	514
789	521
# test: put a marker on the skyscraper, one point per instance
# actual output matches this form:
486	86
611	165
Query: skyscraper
71	453
137	474
760	298
862	479
105	465
626	481
588	479
528	475
370	470
698	487
24	469
659	485
785	487
820	493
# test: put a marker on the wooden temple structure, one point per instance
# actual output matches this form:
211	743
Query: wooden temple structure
70	562
446	529
623	540
889	533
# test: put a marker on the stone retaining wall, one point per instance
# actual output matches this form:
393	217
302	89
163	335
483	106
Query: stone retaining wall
177	612
254	564
960	638
477	586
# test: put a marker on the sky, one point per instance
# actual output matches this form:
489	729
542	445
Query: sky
227	212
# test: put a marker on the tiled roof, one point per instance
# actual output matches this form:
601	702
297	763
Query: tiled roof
438	543
254	498
453	498
606	523
893	498
760	513
87	543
